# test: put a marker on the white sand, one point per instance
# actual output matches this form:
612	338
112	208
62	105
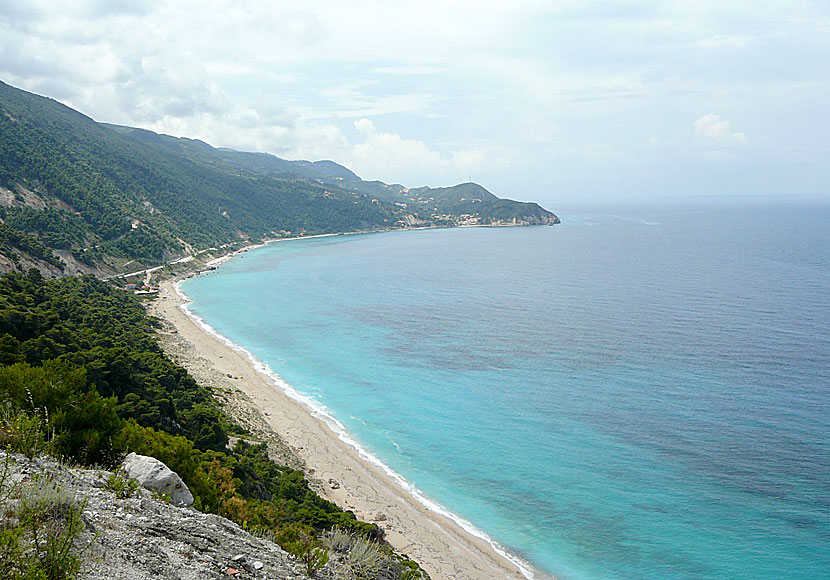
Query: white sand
439	544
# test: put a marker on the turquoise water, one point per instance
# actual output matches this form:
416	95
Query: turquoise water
639	393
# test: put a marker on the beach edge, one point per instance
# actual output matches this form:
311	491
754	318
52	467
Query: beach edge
439	543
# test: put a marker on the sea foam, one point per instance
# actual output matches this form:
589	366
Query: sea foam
320	412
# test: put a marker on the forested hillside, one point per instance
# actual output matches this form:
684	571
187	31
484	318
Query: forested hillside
75	185
83	378
76	195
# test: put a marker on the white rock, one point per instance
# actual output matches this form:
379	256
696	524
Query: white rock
154	475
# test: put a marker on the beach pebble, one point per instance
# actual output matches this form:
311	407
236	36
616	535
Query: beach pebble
258	565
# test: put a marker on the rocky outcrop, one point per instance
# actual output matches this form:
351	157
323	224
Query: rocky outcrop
154	475
141	537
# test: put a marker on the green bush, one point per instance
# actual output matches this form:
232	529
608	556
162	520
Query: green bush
306	548
23	433
121	485
39	532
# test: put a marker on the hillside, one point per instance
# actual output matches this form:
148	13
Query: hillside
81	196
83	378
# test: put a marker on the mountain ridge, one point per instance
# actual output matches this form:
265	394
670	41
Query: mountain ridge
81	196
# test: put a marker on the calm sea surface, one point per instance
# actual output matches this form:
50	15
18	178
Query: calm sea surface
641	393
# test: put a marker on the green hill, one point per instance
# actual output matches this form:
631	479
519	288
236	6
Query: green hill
77	195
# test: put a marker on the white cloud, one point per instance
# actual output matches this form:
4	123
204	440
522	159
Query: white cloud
365	126
713	127
394	158
442	88
728	41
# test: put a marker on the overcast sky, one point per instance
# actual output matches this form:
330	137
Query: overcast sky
553	101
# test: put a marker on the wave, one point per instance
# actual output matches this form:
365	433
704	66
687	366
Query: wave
319	411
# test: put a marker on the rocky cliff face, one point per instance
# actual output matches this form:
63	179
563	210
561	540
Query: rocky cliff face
141	537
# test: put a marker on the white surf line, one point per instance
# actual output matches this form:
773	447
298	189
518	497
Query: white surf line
320	412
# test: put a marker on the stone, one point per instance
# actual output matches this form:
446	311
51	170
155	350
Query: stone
154	475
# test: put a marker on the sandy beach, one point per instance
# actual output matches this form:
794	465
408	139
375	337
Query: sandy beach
442	547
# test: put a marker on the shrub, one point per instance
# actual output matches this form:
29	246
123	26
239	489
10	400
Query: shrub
39	532
122	485
368	560
24	433
338	540
364	559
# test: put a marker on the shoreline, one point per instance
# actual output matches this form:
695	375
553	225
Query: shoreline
444	545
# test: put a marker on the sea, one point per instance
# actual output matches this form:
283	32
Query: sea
641	392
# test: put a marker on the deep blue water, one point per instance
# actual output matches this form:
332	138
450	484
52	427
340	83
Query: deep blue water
641	393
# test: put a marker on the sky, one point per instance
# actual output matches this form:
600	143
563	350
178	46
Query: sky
550	101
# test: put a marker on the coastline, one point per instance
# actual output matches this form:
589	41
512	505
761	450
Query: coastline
443	545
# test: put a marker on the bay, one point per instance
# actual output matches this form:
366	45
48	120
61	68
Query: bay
641	392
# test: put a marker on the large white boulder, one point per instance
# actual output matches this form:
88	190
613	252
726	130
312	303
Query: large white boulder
156	476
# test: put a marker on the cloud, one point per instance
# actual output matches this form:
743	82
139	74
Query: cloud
505	90
356	100
365	126
713	127
391	157
728	41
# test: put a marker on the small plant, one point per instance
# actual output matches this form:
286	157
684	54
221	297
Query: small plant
45	500
364	559
307	551
368	560
338	540
122	485
314	559
24	433
414	573
39	532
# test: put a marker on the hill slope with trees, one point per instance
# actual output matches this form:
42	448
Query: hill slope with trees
77	195
83	378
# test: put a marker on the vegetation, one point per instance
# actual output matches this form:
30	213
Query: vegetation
121	485
40	526
135	200
361	558
82	377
